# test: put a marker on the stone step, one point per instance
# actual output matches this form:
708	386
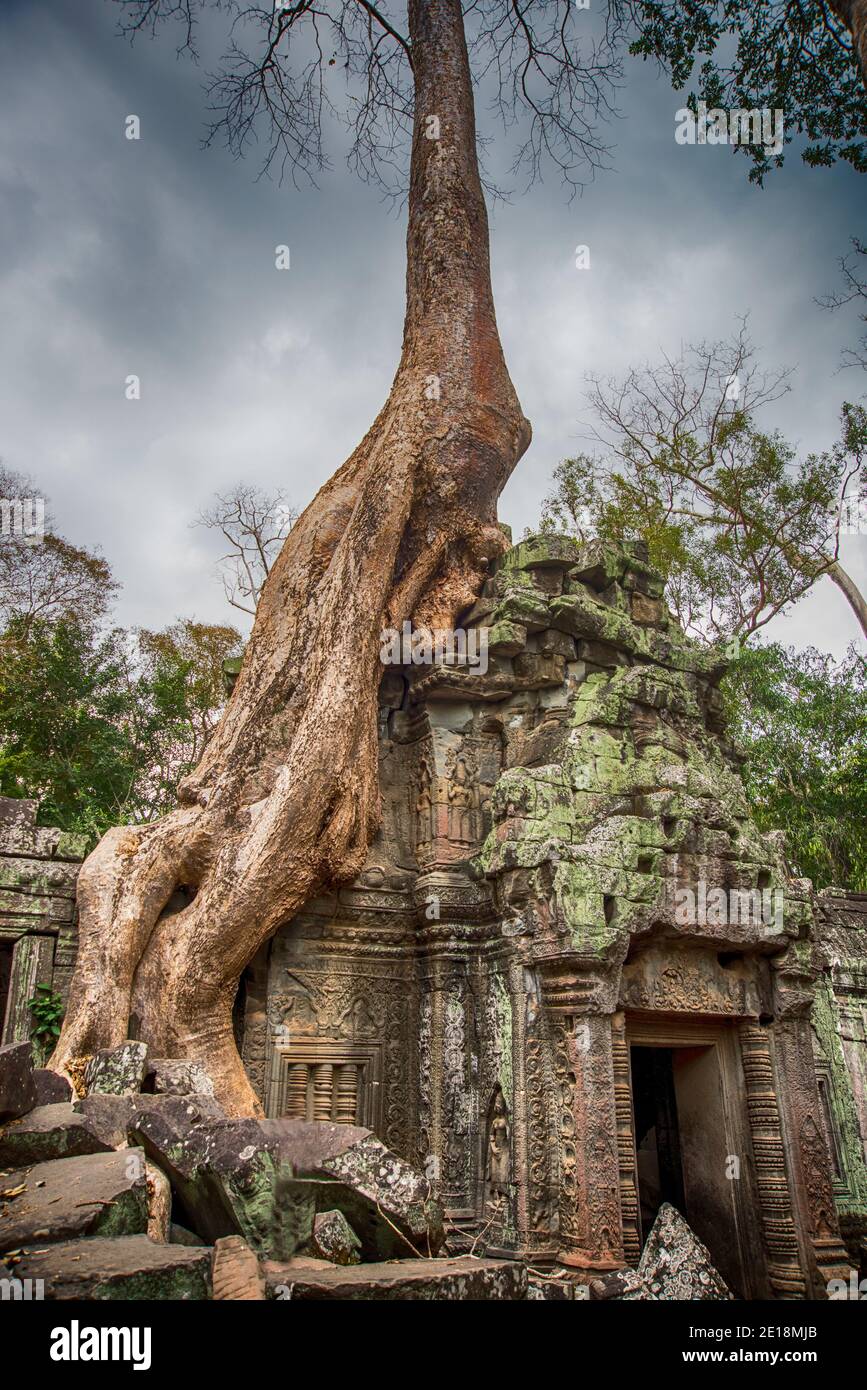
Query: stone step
97	1194
125	1267
463	1278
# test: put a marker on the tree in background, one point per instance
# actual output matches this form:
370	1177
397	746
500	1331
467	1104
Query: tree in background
737	523
254	524
97	724
801	720
46	577
807	58
853	271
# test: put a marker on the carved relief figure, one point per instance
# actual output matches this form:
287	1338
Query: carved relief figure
463	797
499	1161
424	807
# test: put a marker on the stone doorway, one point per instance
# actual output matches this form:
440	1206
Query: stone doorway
690	1141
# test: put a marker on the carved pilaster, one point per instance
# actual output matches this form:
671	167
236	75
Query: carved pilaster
811	1155
590	1229
784	1264
625	1141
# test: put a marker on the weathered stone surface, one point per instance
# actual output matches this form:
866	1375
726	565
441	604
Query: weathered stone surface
462	1279
126	1267
675	1265
236	1272
119	1071
110	1115
159	1204
51	1087
179	1235
17	1088
228	1179
97	1194
624	1285
54	1131
387	1202
334	1239
168	1076
545	1289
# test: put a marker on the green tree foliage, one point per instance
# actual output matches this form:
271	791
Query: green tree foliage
101	726
791	55
801	720
740	526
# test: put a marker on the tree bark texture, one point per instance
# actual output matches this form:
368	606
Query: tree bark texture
286	797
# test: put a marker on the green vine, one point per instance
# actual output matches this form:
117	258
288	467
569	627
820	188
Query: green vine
46	1006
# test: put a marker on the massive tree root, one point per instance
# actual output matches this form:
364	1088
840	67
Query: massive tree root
286	797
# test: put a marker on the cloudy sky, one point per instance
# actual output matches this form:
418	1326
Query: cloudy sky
156	257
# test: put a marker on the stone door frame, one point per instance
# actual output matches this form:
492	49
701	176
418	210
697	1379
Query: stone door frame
651	1029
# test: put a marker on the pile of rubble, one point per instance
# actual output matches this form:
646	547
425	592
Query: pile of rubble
141	1188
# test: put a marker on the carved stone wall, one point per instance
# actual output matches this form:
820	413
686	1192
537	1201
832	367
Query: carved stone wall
475	993
38	872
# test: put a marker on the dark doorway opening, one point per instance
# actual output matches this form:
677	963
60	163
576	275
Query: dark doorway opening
682	1150
6	949
657	1135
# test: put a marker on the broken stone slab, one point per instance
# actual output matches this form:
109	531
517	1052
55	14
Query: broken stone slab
17	1087
386	1201
675	1264
125	1267
460	1279
109	1115
236	1273
623	1285
51	1087
119	1071
96	1194
56	1131
228	1179
334	1239
174	1077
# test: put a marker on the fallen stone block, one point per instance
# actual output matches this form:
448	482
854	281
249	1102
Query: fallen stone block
97	1194
109	1115
386	1201
51	1087
228	1180
126	1267
17	1087
462	1279
119	1071
235	1271
55	1131
334	1239
675	1265
173	1077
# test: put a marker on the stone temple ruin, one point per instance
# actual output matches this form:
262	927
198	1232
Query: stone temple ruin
573	985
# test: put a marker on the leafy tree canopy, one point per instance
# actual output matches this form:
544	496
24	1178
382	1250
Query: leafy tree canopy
801	720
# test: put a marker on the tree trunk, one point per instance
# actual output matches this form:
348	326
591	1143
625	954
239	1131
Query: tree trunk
286	797
847	586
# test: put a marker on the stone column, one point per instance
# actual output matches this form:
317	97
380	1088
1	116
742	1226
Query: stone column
625	1141
785	1272
811	1167
589	1186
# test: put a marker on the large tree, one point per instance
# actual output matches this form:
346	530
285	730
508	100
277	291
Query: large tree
740	525
285	798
